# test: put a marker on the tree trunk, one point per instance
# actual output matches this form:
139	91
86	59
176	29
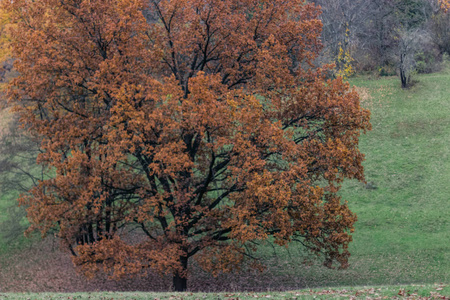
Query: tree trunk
403	77
179	283
180	277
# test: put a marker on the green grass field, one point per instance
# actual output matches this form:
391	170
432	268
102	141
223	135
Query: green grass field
403	231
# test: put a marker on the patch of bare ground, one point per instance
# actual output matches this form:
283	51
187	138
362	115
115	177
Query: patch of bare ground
364	94
43	267
369	101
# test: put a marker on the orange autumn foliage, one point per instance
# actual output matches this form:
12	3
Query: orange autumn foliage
202	125
445	4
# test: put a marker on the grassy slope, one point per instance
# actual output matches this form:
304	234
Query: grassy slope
403	229
403	233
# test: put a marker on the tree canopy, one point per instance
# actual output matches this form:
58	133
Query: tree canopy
184	128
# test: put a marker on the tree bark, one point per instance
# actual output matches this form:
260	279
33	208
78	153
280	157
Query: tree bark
403	76
180	277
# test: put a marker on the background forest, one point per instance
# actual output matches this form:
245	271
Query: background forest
402	37
395	54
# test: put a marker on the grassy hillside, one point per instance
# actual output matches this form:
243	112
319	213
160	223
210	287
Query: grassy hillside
403	229
403	232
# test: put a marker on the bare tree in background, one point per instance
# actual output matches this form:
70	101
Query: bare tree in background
338	17
411	42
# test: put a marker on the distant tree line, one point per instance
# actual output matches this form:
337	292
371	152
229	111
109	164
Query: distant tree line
387	36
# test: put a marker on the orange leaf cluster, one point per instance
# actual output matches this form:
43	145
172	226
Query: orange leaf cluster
445	4
202	125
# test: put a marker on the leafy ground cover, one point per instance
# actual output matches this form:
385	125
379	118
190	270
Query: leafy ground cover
366	292
403	232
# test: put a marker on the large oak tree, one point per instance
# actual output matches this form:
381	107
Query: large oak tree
203	125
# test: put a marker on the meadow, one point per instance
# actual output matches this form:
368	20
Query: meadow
403	229
402	236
